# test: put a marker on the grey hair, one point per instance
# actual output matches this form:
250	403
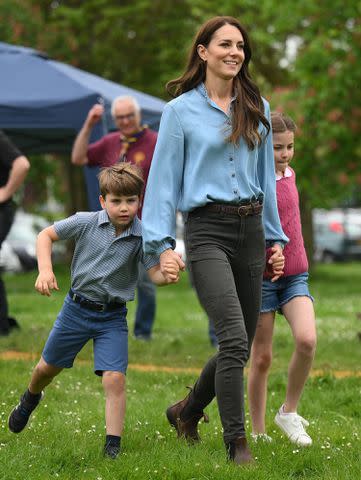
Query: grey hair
125	97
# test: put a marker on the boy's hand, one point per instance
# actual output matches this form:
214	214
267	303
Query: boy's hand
171	271
276	262
46	282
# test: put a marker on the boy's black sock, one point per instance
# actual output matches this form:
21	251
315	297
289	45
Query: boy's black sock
32	398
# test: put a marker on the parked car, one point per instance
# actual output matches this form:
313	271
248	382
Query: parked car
9	261
21	242
337	234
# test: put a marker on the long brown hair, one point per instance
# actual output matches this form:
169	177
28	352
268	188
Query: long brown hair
248	109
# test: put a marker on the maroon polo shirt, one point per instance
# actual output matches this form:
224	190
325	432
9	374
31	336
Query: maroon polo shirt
106	151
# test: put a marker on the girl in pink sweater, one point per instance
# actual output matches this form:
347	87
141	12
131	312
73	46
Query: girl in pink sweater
290	296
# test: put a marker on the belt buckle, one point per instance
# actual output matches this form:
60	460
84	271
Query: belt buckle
243	211
97	307
100	307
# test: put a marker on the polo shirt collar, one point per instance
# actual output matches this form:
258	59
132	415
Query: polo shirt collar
103	217
135	228
288	173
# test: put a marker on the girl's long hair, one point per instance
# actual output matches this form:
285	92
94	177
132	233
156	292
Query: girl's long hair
282	123
248	108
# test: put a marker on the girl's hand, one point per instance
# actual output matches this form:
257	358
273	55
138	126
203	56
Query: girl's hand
46	282
276	262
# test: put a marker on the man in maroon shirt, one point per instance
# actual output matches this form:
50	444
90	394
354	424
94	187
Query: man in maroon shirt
134	143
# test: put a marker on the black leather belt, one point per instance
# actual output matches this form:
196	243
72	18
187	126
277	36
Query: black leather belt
253	208
95	306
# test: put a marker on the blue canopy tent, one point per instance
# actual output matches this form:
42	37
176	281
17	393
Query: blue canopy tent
43	104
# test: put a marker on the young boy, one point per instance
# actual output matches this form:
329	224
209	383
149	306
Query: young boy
108	247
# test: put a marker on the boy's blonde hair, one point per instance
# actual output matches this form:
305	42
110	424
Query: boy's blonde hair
282	123
121	179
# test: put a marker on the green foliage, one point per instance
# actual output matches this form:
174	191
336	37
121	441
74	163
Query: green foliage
144	44
325	100
20	22
138	44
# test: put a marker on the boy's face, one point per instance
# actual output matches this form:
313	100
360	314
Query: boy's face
283	149
120	209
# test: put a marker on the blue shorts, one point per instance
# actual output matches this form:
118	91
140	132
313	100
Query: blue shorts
75	325
276	294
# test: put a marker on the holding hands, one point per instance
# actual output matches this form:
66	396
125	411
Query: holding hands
170	265
275	262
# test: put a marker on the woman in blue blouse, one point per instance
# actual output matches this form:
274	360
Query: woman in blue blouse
214	161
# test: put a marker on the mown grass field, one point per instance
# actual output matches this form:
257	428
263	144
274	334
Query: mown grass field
66	433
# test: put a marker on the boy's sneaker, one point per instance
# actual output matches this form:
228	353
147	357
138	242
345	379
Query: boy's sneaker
261	437
20	415
111	451
293	425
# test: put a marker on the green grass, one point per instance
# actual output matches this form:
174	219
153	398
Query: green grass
66	434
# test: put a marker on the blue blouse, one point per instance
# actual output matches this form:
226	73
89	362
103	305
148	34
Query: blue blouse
193	165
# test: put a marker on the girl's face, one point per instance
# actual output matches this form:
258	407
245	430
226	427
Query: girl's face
283	148
224	55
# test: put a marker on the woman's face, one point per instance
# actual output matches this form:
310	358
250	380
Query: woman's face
224	55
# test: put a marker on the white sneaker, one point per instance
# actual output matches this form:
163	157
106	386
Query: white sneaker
293	425
261	437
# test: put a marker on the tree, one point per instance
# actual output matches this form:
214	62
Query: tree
143	44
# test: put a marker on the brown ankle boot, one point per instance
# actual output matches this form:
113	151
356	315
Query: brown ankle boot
187	428
238	451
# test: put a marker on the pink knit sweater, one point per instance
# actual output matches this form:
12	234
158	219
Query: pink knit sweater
289	212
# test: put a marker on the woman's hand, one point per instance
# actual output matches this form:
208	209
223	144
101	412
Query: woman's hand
170	264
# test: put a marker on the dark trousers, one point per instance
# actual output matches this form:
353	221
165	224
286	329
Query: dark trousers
227	259
7	213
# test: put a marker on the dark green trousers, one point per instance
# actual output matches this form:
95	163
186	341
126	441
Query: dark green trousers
227	259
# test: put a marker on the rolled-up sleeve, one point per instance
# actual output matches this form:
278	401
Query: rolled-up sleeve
149	261
164	185
267	178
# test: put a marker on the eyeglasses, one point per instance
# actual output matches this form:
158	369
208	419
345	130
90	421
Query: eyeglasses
121	118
